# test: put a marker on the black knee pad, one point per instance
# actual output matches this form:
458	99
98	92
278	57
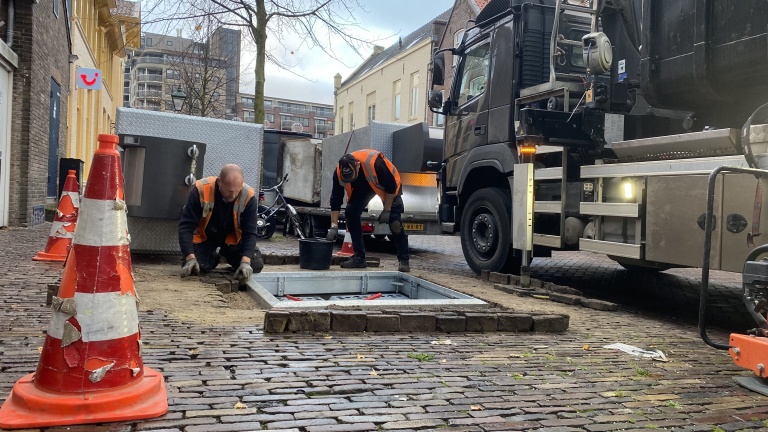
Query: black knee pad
396	227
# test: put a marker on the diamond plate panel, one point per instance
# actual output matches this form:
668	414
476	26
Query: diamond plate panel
758	134
226	142
154	236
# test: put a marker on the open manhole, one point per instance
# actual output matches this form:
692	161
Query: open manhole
359	289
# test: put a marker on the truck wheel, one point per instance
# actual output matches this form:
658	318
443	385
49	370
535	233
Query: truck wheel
486	232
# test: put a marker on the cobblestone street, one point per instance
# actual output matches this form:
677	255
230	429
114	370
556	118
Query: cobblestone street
235	378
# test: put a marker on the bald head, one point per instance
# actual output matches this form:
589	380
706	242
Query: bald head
230	181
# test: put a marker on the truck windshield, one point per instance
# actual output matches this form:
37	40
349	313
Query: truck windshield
474	73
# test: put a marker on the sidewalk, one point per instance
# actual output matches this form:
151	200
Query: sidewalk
368	382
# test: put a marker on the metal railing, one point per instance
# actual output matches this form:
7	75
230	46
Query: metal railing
151	77
293	110
149	93
151	60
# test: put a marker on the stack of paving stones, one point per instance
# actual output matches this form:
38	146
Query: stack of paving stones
410	321
545	291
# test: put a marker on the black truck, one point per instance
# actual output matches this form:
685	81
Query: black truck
594	126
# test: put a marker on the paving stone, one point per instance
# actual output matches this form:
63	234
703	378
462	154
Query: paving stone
513	322
348	321
383	323
501	278
343	427
300	423
417	322
309	321
409	424
568	299
600	305
550	323
481	322
516	290
450	323
229	427
224	287
276	321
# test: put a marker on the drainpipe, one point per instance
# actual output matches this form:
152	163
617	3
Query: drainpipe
9	31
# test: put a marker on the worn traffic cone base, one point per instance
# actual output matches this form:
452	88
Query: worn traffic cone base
30	406
346	247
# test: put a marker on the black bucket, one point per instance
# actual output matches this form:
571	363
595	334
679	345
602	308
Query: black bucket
315	254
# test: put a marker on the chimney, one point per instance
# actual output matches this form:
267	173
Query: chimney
377	49
337	81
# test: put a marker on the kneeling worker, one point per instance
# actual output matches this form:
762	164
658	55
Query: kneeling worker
220	213
379	177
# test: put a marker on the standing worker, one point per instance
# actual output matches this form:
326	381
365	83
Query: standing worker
220	213
380	177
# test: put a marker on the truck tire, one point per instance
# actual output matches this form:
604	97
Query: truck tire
308	224
486	232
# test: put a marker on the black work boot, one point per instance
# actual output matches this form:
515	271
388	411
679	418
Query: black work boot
257	262
403	266
356	261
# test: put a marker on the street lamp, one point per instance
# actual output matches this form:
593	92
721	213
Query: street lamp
178	98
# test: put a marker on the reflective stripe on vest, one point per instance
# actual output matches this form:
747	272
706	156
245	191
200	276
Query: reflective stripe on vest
207	189
367	159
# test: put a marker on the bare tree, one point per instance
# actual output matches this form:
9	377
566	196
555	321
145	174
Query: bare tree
201	71
317	23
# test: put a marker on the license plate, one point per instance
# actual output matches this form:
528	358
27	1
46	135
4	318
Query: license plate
413	227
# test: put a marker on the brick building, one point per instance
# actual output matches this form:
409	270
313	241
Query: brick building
290	115
35	51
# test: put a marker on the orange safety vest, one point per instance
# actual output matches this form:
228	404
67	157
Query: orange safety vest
367	157
207	190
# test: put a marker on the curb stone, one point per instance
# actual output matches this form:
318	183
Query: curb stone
283	321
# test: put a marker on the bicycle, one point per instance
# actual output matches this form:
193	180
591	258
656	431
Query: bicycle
279	211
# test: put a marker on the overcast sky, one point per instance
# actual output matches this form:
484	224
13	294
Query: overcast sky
385	21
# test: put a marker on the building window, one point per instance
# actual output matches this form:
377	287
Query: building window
341	119
414	95
351	116
170	43
396	100
248	102
457	37
267	104
148	41
172	74
473	71
270	117
370	103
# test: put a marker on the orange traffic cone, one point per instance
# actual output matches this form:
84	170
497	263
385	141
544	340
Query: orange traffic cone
346	247
64	222
91	368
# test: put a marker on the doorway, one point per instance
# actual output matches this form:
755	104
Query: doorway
5	139
53	139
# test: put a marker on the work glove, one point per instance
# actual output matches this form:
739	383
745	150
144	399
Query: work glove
190	267
332	234
244	272
384	217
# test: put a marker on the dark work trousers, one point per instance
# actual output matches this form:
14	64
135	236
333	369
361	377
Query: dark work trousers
205	253
352	215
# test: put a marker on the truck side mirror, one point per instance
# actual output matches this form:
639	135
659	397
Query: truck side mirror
438	69
435	99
